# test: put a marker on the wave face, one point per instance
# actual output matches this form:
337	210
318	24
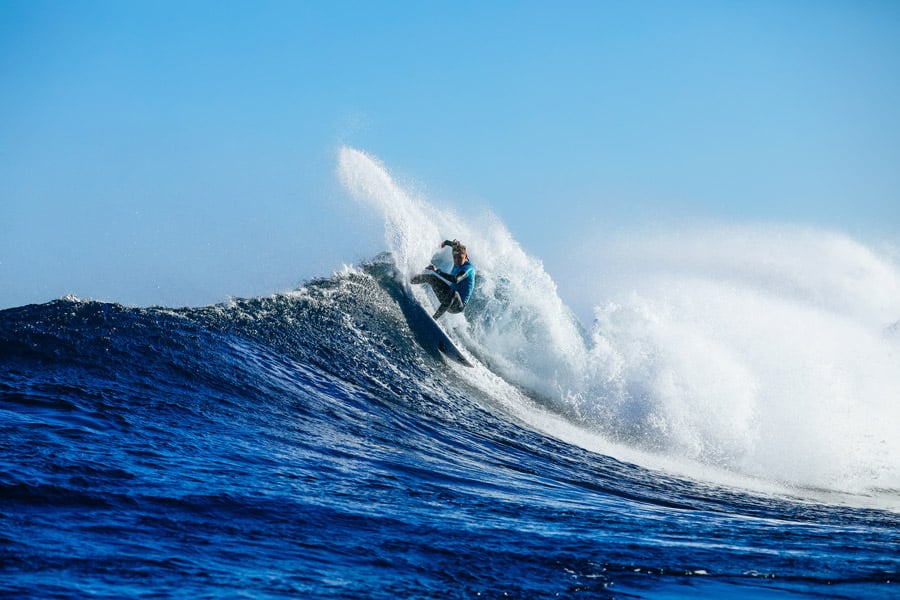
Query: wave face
305	445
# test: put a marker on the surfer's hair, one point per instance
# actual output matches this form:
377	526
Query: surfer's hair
458	248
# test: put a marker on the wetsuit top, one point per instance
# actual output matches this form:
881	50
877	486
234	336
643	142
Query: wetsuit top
462	279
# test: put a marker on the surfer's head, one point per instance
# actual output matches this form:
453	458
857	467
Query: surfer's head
459	252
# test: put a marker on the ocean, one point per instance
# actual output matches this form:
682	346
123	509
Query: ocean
724	430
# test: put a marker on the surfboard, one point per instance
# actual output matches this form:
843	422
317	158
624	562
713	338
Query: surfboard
430	334
425	329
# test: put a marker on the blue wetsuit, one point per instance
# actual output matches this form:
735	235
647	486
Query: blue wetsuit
462	280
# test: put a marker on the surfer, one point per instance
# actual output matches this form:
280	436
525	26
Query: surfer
452	289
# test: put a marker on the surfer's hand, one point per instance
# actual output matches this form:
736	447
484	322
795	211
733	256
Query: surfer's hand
431	268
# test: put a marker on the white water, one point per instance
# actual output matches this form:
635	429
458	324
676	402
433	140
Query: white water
768	352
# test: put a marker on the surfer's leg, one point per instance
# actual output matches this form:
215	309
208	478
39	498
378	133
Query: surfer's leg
456	305
452	304
440	311
440	287
449	300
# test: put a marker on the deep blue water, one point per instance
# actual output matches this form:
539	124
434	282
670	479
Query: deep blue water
304	445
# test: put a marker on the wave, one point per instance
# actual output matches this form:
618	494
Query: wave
761	354
308	445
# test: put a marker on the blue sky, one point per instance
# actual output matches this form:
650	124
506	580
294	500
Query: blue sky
183	152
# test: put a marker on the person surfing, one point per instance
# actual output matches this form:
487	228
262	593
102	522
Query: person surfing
452	289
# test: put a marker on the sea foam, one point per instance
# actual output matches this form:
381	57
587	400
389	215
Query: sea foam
765	351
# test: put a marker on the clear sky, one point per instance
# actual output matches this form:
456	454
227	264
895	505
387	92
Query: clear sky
180	152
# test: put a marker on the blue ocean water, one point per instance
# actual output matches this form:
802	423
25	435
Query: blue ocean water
733	435
305	445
